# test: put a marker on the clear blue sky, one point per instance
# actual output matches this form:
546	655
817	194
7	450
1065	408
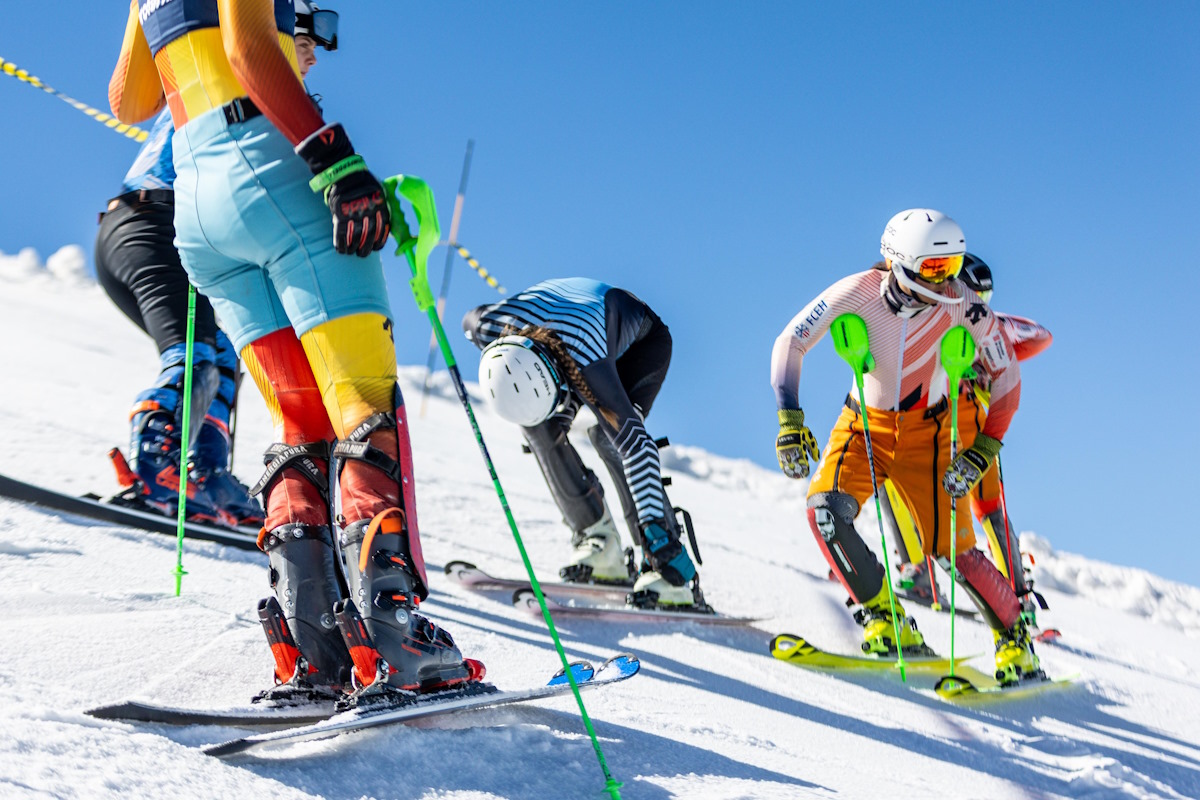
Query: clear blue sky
728	161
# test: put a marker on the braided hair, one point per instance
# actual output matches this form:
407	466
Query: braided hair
566	362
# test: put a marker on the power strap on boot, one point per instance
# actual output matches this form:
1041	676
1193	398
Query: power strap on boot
301	457
356	446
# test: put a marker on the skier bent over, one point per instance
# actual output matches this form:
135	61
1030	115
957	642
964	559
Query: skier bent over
550	350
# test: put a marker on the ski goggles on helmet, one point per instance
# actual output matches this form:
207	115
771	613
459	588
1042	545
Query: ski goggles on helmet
320	26
938	269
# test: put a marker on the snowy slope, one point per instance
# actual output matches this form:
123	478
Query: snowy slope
90	618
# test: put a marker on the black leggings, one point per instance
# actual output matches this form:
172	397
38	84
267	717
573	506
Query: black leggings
139	268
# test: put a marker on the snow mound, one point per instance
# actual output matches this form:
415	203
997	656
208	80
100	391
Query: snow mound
1127	589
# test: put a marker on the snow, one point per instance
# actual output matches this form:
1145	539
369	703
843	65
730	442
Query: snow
90	618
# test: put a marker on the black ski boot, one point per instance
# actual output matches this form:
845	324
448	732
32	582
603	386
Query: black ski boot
310	658
393	647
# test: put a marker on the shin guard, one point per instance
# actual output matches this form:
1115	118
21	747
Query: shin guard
831	516
987	587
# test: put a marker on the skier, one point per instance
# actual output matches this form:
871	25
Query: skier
1026	339
139	268
278	221
555	347
908	301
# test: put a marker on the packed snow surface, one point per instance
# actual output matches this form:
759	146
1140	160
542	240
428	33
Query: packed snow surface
91	618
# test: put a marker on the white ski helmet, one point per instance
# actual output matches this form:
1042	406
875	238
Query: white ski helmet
318	24
522	381
924	247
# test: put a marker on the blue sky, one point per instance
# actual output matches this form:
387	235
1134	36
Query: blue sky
726	162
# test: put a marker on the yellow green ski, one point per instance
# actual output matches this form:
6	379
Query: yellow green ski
795	650
959	689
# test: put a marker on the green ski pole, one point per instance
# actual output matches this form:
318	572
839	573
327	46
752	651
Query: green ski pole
850	340
185	435
958	353
416	250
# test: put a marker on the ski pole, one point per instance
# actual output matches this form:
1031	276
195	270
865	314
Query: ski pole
131	131
1008	537
459	200
185	437
958	353
416	250
850	340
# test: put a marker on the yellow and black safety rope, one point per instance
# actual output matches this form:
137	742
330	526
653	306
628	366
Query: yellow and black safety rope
131	131
483	273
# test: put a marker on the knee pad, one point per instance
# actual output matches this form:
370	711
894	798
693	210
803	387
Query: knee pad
831	516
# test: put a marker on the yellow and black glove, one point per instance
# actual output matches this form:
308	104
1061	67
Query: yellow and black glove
968	467
795	445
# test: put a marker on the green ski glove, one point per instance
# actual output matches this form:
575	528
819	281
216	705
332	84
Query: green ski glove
795	445
968	467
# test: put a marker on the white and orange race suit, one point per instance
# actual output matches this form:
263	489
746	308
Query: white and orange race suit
906	396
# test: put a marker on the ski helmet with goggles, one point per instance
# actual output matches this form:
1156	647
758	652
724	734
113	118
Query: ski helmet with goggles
522	381
923	247
317	24
977	276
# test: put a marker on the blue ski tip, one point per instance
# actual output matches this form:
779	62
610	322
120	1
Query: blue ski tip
626	665
582	671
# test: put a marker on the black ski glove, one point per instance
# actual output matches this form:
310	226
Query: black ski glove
795	444
968	467
361	221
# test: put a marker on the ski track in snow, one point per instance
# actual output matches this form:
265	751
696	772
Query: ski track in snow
91	619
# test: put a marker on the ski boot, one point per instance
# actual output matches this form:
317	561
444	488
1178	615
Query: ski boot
668	578
311	660
210	470
652	590
916	580
393	646
1015	659
598	557
879	632
151	477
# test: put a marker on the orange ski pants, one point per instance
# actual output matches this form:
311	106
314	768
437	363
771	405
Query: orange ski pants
912	448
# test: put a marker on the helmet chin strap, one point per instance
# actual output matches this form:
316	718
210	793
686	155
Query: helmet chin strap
916	287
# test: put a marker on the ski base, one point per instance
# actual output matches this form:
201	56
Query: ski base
616	669
242	538
265	717
796	650
472	577
959	689
526	600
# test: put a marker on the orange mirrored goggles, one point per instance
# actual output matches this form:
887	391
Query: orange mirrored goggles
937	269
